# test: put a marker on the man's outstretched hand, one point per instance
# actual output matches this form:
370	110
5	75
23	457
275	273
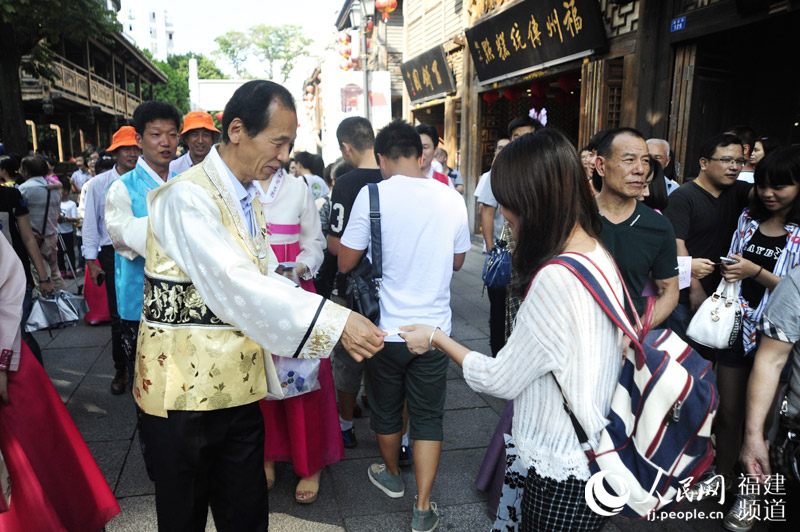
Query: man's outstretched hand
361	337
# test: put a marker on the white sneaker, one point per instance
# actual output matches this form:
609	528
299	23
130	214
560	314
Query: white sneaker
742	515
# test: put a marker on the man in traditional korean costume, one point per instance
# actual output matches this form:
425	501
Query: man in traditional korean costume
213	312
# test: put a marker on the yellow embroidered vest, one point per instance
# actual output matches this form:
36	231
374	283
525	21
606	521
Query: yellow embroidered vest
184	351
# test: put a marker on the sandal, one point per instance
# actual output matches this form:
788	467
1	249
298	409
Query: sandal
269	470
307	489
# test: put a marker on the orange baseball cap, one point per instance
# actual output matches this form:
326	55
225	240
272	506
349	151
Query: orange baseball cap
125	136
198	120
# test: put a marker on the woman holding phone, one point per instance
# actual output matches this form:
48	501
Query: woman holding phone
764	248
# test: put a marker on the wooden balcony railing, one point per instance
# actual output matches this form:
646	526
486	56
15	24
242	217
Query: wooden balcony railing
81	86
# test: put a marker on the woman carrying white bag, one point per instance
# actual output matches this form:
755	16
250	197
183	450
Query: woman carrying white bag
765	246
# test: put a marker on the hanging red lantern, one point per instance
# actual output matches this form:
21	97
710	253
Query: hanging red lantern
309	88
568	83
538	101
540	88
491	97
386	7
346	64
219	116
512	93
370	26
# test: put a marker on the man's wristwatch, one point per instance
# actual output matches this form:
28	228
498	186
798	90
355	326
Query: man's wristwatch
47	280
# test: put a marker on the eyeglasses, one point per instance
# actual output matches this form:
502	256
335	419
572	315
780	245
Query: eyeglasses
728	160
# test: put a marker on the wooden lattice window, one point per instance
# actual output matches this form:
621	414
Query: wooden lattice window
614	106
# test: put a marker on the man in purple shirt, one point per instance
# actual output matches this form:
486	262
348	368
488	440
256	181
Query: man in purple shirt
97	244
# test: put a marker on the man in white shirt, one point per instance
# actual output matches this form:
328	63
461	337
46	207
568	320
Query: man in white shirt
97	244
425	237
659	150
82	174
156	125
198	135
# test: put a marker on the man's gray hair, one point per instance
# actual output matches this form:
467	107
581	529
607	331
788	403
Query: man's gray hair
662	142
439	152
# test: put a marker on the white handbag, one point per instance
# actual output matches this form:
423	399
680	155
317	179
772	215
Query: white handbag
718	320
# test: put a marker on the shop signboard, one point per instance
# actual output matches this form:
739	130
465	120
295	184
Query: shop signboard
535	34
428	76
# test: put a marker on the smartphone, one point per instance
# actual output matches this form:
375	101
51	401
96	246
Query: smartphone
728	261
101	279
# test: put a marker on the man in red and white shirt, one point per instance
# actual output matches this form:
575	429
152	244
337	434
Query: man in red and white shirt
430	141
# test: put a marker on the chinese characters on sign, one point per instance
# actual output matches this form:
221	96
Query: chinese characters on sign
532	33
428	75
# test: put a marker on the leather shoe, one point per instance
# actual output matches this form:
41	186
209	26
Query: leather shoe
119	382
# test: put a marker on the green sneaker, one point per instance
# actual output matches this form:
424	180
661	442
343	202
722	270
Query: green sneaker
426	521
391	485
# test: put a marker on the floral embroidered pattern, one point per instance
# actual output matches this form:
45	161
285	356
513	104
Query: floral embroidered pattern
326	332
175	303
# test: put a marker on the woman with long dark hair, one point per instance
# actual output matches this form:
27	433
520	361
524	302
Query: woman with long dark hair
561	336
766	246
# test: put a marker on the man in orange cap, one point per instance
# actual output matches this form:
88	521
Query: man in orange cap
95	237
198	135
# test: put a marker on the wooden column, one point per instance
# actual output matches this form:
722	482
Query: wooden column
470	137
651	68
682	86
69	134
114	82
450	141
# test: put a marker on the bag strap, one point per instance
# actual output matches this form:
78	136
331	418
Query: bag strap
375	225
612	308
46	212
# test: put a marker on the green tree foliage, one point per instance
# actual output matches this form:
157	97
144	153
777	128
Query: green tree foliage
31	28
278	47
234	46
206	68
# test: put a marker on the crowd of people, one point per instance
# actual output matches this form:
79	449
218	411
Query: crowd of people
224	274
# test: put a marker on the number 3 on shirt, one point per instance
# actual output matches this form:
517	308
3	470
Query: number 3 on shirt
339	218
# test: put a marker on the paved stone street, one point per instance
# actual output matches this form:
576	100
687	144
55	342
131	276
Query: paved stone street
79	363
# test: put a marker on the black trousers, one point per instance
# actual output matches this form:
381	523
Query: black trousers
497	318
202	458
106	259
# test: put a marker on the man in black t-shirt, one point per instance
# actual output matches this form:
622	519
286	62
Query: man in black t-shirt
356	139
641	241
15	225
704	213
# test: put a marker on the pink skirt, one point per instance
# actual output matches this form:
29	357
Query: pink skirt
56	484
97	300
303	430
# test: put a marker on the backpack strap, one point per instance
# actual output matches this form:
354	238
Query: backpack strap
375	226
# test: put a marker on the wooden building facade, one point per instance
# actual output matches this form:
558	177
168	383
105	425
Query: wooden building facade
96	89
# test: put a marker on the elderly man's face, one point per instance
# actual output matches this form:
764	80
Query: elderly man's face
263	155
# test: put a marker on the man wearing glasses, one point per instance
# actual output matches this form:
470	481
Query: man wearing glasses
704	213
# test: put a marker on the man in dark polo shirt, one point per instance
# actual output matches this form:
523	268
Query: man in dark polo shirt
641	241
704	213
